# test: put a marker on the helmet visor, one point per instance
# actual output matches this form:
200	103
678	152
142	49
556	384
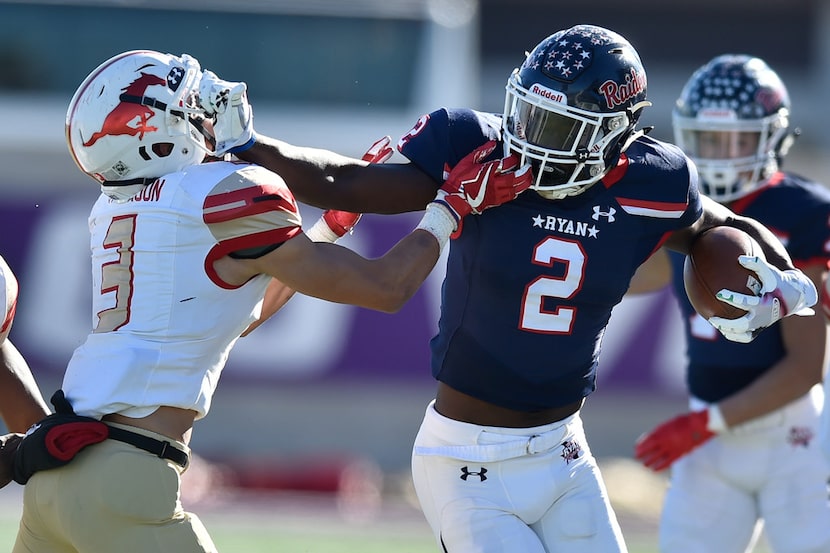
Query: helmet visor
548	129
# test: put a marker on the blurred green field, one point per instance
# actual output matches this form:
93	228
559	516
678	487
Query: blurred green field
280	524
236	536
389	522
252	528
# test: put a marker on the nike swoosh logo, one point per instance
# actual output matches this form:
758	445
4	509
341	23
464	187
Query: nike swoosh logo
482	190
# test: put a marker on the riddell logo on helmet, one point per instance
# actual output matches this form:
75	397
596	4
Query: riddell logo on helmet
617	94
128	117
716	114
553	95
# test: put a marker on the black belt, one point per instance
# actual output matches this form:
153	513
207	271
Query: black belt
163	449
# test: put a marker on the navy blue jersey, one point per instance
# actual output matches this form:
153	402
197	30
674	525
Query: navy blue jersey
530	285
797	211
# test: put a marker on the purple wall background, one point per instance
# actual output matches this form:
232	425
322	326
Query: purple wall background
310	340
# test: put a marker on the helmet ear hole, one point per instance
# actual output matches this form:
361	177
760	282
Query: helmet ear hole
162	149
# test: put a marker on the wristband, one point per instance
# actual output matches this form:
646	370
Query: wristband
439	222
242	147
716	423
321	232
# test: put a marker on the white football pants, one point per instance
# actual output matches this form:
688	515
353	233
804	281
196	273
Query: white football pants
522	490
770	469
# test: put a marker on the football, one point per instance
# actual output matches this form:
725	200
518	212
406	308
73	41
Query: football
712	265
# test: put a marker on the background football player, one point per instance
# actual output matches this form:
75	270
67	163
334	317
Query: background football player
748	450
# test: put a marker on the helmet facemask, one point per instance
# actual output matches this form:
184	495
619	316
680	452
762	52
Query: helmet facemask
733	156
567	146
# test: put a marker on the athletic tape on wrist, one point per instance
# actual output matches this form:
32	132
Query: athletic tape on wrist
439	222
320	231
716	422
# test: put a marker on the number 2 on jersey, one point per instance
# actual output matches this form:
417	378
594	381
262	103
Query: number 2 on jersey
558	320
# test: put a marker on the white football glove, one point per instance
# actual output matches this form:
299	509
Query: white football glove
226	104
8	299
783	293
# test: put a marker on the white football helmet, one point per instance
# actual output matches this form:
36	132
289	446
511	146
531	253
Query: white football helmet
135	118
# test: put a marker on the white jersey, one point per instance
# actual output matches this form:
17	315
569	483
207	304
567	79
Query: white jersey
8	298
163	321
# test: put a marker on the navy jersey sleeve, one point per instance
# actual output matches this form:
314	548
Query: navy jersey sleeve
809	241
797	211
660	183
440	139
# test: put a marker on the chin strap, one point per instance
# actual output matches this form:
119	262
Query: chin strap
634	136
143	101
120	191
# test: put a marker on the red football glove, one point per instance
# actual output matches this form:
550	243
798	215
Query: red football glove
473	186
673	439
380	151
340	222
334	224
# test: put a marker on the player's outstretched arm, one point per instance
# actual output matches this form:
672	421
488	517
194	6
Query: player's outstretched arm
654	274
330	227
329	180
316	176
337	274
21	403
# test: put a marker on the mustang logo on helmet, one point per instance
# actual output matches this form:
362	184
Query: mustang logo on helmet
127	117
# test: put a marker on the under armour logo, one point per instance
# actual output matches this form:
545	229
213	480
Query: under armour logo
598	213
466	472
175	77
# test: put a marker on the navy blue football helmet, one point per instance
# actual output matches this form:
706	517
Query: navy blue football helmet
571	108
732	119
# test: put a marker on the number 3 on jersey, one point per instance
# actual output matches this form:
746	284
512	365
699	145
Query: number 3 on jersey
558	320
117	276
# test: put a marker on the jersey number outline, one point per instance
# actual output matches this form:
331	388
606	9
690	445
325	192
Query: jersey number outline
559	320
117	276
